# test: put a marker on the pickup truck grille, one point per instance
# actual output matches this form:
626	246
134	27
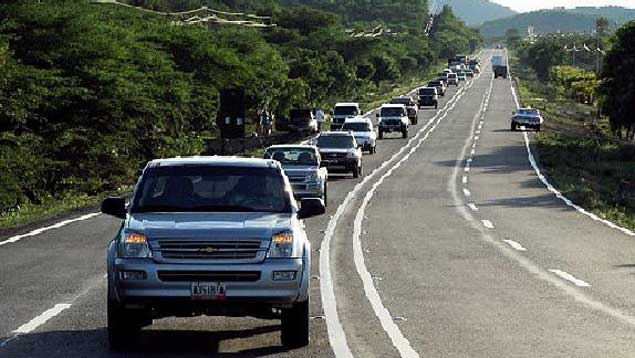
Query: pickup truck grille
297	179
209	276
333	155
391	122
210	250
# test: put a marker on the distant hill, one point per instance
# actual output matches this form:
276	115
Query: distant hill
474	12
565	20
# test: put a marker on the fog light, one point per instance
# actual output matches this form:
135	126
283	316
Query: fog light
132	275
284	275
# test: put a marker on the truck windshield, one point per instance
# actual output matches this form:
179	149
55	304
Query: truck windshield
345	111
356	127
404	101
427	92
292	156
337	142
201	188
391	112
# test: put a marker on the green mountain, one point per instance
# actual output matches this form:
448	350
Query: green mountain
580	19
474	12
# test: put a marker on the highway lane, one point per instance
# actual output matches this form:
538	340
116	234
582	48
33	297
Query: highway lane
66	266
515	273
426	259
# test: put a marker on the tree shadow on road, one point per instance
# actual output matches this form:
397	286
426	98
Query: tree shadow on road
151	343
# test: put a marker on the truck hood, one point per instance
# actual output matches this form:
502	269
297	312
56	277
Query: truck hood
209	225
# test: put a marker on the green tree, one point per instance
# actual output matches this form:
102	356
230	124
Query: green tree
618	80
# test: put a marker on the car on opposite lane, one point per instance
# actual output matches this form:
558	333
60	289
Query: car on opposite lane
364	132
340	153
302	165
216	236
528	118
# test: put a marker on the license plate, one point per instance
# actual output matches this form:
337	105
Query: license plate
208	290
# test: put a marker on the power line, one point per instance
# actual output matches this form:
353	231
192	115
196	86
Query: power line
208	15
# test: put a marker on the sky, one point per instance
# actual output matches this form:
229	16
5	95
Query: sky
530	5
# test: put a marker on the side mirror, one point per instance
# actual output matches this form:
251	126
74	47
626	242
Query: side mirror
311	207
114	206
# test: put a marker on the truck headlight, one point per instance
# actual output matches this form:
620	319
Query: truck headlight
134	245
351	155
281	245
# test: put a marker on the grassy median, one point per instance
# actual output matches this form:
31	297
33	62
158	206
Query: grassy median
578	152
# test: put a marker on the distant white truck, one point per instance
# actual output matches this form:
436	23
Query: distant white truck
363	131
342	111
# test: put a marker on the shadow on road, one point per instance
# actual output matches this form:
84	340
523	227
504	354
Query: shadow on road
151	343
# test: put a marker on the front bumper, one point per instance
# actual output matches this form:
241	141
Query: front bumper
264	290
427	101
340	165
392	128
308	190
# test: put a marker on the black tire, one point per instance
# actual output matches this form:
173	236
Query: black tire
404	134
295	325
436	105
123	328
325	196
415	121
538	128
513	127
381	134
355	172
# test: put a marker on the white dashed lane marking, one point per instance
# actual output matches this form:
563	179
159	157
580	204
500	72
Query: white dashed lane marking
472	206
569	277
515	245
466	192
488	224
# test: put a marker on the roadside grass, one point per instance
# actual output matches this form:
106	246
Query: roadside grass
579	153
52	207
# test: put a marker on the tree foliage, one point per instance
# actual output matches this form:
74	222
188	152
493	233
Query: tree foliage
618	79
89	92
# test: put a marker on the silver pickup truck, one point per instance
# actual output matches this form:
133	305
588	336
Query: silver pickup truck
217	236
302	164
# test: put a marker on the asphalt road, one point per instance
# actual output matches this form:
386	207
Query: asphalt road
449	246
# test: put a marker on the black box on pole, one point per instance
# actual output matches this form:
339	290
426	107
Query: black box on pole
231	113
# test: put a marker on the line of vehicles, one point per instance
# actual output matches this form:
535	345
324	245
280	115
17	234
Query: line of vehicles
223	236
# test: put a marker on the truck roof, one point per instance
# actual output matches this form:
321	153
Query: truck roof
221	161
357	119
393	105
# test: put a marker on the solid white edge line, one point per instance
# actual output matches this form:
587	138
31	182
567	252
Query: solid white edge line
335	330
399	341
515	245
42	318
527	264
569	277
58	225
550	187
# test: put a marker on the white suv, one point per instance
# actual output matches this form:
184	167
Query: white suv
342	111
363	131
